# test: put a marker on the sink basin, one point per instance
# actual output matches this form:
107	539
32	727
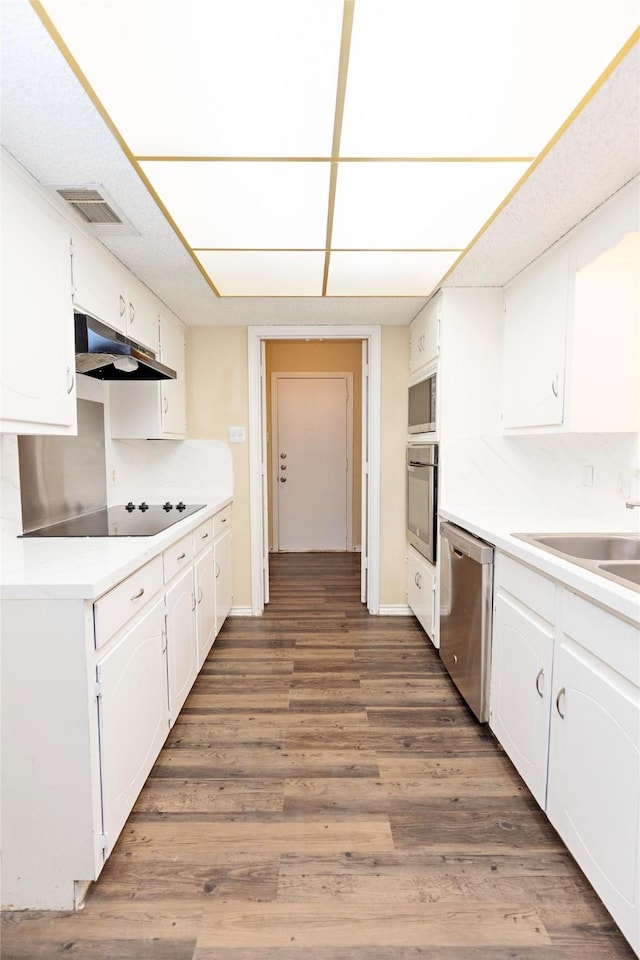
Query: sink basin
592	546
625	571
615	556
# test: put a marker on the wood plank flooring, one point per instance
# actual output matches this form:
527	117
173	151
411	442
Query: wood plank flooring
325	794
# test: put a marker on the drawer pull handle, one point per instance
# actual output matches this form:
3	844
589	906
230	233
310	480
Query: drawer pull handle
217	570
193	602
137	595
560	694
224	520
199	594
538	679
204	536
182	556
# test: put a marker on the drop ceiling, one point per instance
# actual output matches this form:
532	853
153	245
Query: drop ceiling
340	154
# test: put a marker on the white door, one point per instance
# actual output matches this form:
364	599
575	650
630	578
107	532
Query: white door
310	461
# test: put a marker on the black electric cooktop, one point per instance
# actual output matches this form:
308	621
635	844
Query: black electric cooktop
129	520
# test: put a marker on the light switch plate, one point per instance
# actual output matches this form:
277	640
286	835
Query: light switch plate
237	435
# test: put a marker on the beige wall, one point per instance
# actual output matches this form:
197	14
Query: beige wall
326	356
393	441
217	398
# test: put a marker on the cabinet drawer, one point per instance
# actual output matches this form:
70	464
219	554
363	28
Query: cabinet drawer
116	608
611	639
221	521
177	556
203	536
531	588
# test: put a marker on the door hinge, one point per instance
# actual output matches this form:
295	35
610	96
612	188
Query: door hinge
104	841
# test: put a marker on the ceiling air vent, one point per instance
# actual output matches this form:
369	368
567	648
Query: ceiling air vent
93	205
90	205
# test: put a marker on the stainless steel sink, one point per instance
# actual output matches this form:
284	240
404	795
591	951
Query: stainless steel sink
615	556
592	546
627	571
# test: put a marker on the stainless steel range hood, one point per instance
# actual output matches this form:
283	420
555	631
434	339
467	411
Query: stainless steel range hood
107	354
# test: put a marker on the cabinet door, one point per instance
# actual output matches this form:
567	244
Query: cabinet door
425	337
99	283
593	797
154	410
521	665
182	665
420	590
143	315
205	609
536	308
132	708
173	396
37	374
222	574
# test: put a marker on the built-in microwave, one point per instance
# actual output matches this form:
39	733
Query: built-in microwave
422	405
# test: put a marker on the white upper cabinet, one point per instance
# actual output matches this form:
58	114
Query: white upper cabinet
37	373
425	341
570	356
536	306
154	409
106	290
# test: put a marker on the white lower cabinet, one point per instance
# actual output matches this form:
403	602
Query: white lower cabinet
132	716
222	578
89	689
182	661
205	604
593	797
565	705
521	676
421	590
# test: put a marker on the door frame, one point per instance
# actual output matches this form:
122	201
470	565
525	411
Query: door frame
318	375
371	379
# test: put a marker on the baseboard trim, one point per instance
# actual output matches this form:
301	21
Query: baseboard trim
241	612
395	610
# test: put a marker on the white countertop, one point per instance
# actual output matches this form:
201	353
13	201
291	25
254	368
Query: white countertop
614	596
83	568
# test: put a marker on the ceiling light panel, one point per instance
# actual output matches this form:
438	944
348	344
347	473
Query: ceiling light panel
356	273
417	205
462	78
210	77
229	204
264	273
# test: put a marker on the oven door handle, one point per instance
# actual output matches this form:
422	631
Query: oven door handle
413	463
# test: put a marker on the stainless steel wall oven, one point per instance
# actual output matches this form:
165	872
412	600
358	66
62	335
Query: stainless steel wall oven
422	497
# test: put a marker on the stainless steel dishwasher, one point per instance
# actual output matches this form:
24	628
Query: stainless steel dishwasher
466	600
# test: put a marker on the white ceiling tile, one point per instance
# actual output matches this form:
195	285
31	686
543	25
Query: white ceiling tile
386	274
264	273
424	205
246	205
463	78
210	77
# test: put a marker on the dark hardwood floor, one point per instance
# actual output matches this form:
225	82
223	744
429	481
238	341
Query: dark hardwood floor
325	794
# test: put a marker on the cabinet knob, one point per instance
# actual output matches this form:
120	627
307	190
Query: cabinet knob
282	479
71	379
561	693
123	305
554	385
539	678
165	404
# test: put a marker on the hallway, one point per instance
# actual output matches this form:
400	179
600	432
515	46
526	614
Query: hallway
326	795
